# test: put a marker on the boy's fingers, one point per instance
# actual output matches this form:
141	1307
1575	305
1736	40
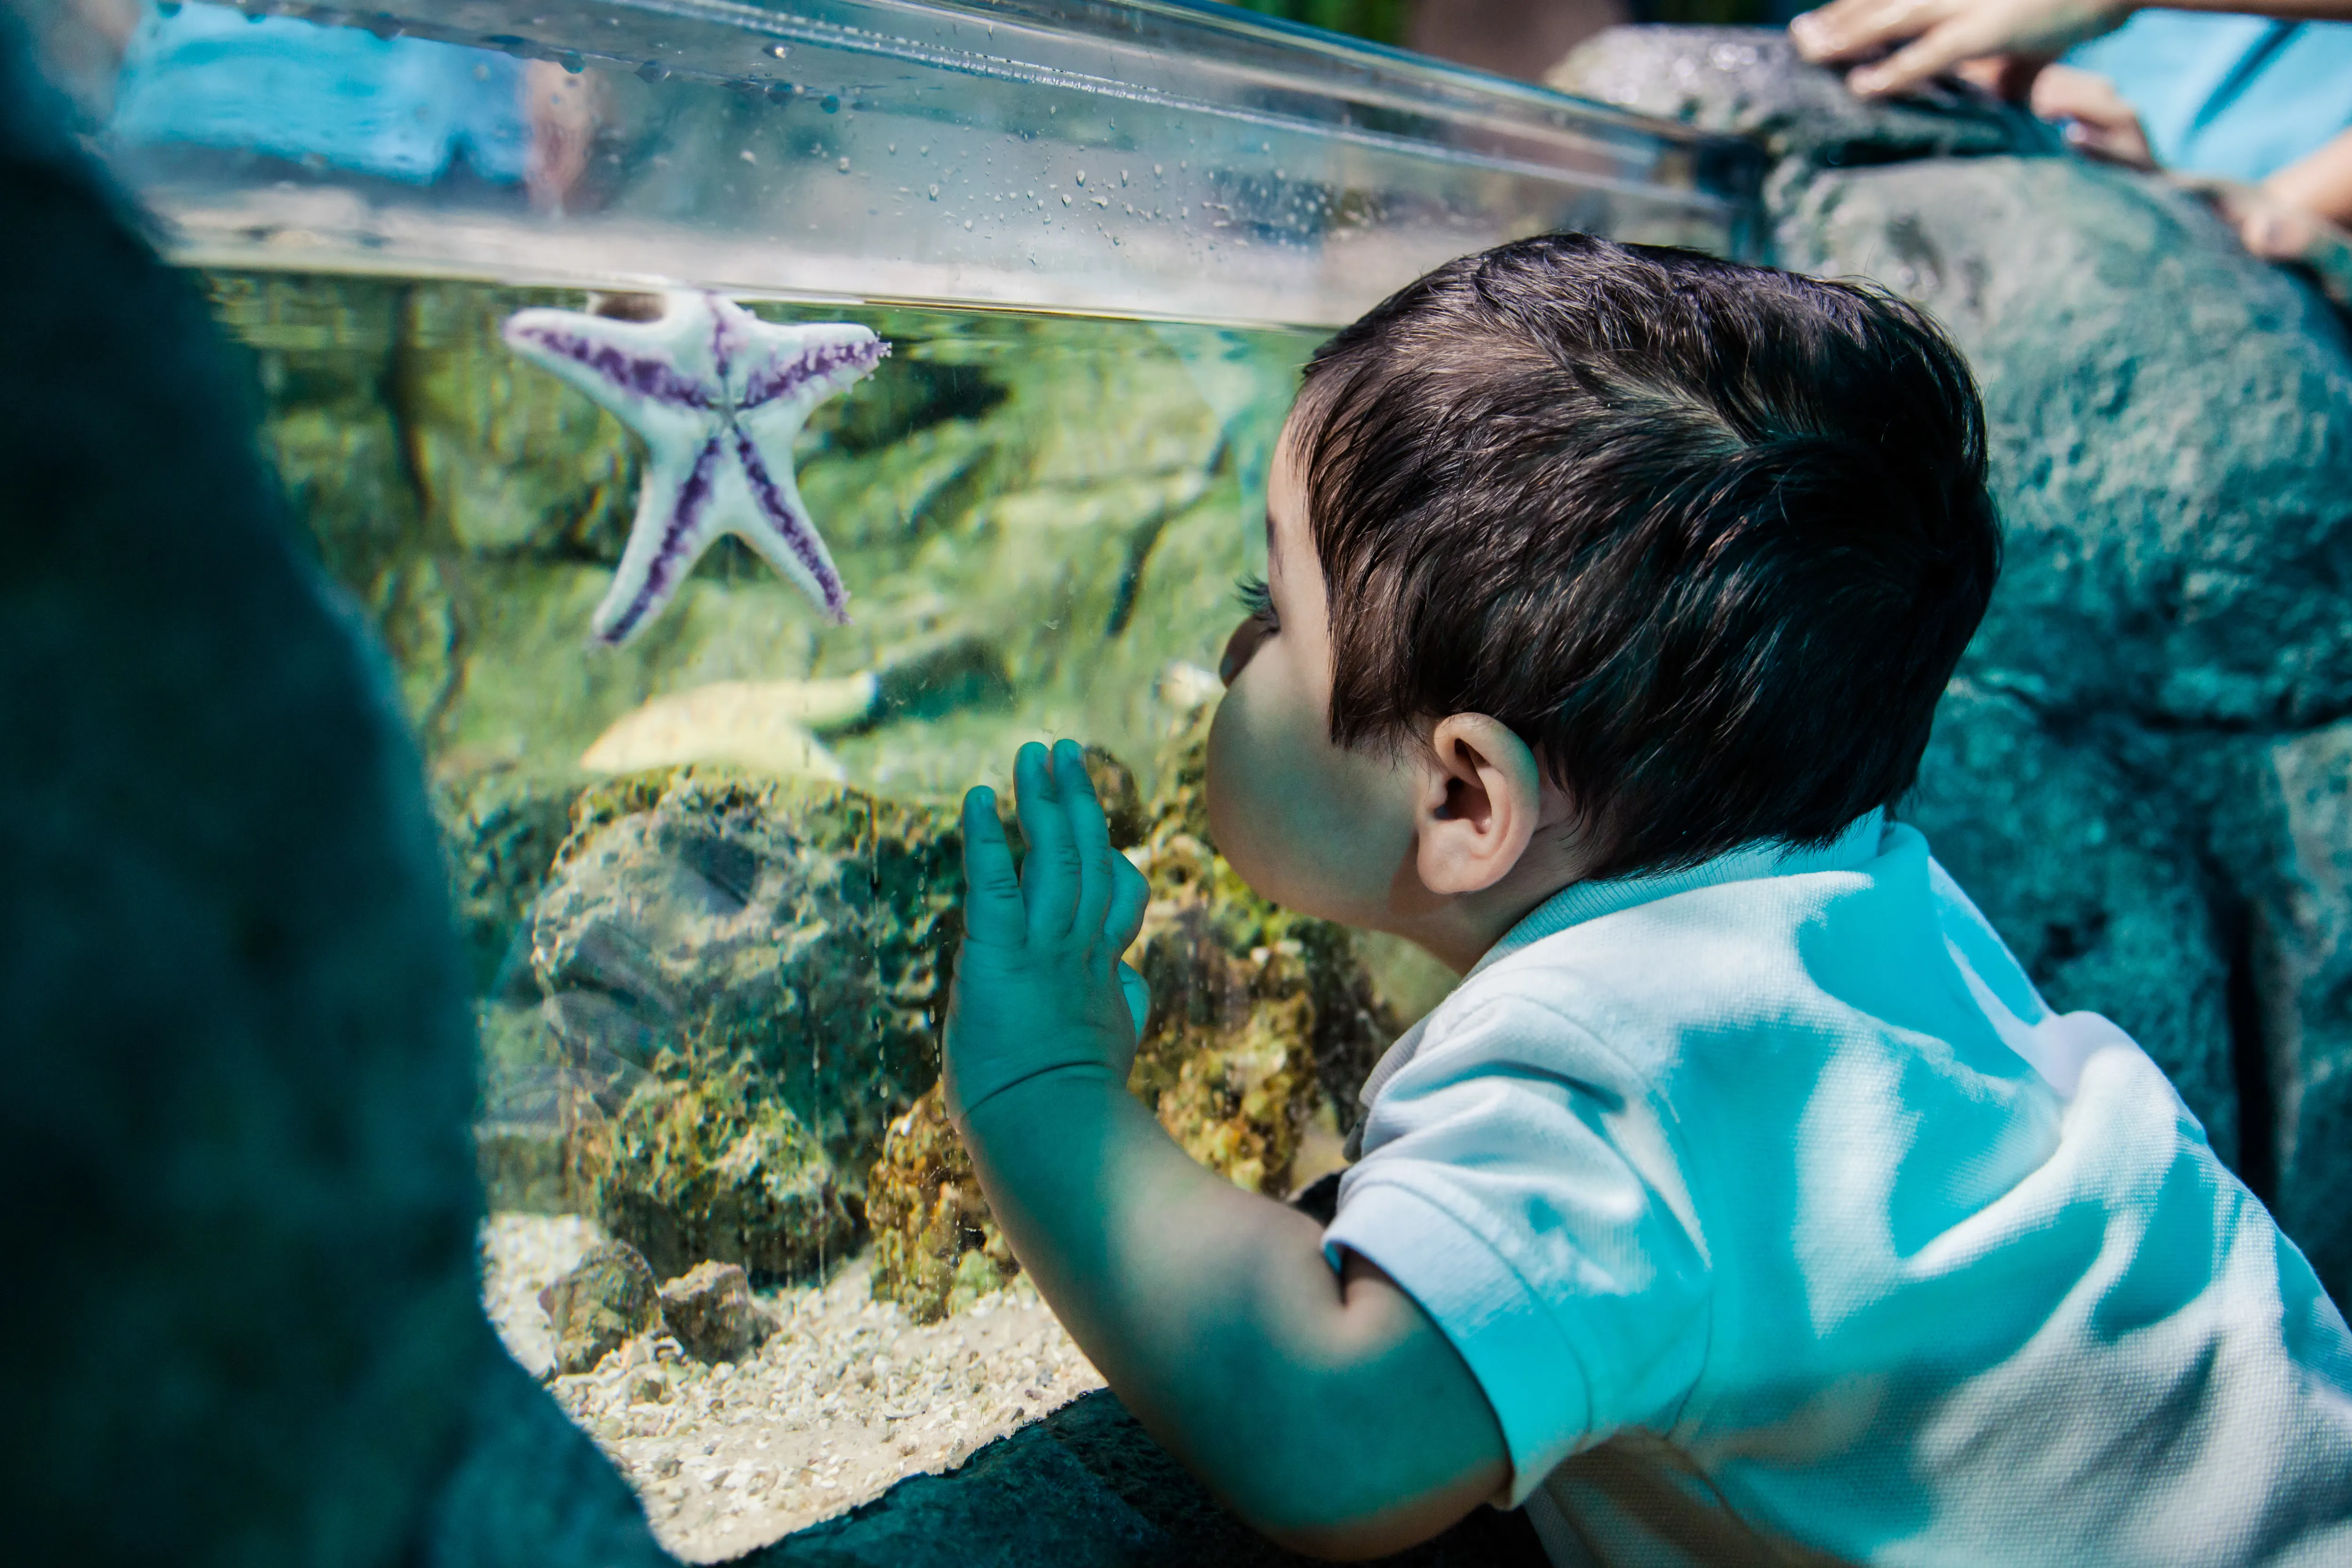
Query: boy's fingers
1090	834
1138	993
1049	878
993	910
1129	894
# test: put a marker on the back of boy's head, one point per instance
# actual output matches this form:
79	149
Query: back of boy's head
1710	538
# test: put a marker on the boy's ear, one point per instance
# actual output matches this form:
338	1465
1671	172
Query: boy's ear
1480	801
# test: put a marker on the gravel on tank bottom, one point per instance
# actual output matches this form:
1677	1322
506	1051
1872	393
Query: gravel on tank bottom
845	1398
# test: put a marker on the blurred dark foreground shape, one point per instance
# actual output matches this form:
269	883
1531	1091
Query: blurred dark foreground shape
241	1202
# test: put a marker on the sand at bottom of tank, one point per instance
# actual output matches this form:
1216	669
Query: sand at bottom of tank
845	1398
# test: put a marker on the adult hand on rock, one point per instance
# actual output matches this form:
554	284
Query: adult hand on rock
1935	36
2091	115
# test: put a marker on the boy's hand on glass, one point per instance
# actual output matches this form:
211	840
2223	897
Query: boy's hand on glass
1039	986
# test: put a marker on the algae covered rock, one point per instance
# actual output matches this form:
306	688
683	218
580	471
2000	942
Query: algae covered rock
608	1298
936	1251
705	1160
746	973
710	1311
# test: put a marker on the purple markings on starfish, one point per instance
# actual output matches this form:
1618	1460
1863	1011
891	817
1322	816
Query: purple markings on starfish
718	396
782	378
651	378
794	530
679	546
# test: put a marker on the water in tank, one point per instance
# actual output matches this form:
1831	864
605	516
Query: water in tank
741	427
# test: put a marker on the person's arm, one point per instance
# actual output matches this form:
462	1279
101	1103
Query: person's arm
2301	216
1324	1407
2319	182
1933	35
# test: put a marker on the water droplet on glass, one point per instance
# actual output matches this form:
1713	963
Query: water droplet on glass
652	70
842	165
781	52
1082	176
831	105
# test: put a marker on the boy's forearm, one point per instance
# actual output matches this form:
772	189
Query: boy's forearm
1307	1403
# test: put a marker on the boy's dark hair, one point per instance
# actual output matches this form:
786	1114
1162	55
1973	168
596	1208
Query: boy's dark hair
1709	537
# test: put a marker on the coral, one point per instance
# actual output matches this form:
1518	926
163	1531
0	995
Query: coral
935	1248
702	1162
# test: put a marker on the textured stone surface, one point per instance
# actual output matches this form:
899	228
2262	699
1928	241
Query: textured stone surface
607	1300
710	1311
2137	773
238	1051
746	972
2287	835
1088	1487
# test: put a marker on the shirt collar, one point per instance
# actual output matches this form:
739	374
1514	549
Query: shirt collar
1582	901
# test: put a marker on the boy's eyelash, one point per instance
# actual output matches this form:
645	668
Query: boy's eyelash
1256	599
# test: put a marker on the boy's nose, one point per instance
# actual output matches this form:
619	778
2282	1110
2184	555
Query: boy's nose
1241	647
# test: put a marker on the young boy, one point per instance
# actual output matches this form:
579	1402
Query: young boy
1744	1203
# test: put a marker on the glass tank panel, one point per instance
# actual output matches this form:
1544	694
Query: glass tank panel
706	608
1158	160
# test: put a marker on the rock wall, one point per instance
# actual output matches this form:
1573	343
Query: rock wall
2138	772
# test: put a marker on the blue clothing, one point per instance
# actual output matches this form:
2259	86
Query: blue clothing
2240	97
1780	1219
403	108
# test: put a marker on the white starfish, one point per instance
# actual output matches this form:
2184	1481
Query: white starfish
718	396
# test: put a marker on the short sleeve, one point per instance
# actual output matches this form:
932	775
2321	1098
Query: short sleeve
1519	1181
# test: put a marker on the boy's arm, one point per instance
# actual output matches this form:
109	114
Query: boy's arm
1325	1407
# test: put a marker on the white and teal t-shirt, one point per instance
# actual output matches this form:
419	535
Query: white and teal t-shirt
1780	1219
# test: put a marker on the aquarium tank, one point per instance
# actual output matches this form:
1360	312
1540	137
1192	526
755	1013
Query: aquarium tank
742	425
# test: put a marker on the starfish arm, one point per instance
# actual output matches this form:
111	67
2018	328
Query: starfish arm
637	381
670	533
785	536
814	370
